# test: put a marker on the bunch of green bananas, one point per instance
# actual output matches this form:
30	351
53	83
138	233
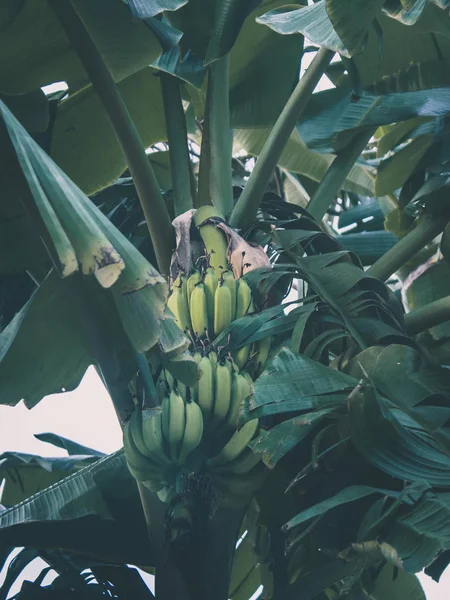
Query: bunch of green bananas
236	470
160	448
219	393
156	445
206	304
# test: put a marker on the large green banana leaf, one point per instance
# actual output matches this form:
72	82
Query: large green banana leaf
84	144
298	158
35	51
95	512
24	474
332	118
388	57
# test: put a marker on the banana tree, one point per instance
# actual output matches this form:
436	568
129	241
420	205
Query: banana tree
285	421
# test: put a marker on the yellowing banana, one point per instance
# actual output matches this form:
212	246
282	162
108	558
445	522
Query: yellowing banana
214	239
199	310
193	431
240	389
205	392
210	283
178	305
231	284
192	281
263	349
237	444
244	301
222	393
241	356
222	308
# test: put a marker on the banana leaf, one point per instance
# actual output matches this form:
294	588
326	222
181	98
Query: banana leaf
419	388
144	9
393	441
352	20
69	445
298	158
95	512
369	246
24	474
329	122
275	443
301	383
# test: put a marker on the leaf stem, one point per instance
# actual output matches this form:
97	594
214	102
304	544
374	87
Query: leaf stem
178	147
247	206
426	230
333	179
428	316
153	206
216	184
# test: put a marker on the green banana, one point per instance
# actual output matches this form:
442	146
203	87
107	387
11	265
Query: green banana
229	363
153	485
237	444
244	301
153	438
162	387
214	239
166	494
210	283
231	284
236	490
263	349
213	359
240	389
135	426
143	467
169	380
174	423
222	308
145	475
179	306
241	356
182	390
240	465
192	281
193	431
222	393
205	392
248	377
199	310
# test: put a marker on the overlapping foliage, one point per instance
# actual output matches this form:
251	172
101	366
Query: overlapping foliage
354	400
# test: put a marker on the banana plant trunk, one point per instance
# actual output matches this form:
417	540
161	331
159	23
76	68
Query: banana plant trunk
203	570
